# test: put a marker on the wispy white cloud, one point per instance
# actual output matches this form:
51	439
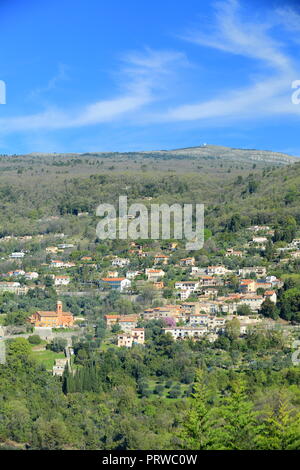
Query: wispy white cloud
61	75
289	18
140	76
251	38
239	35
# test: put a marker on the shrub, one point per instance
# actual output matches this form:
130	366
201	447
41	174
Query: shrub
34	339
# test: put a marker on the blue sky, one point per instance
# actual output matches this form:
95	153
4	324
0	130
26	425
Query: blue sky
89	75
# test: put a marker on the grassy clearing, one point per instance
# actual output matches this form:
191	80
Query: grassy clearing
47	357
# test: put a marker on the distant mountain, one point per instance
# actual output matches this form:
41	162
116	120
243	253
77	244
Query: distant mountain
218	154
215	152
208	158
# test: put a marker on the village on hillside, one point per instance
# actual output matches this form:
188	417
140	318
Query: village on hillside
191	298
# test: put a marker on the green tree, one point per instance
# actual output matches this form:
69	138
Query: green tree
196	430
280	429
58	344
268	309
233	329
236	427
34	339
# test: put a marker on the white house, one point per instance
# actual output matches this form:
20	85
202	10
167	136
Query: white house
132	274
61	280
217	270
121	262
186	332
118	283
30	276
187	261
183	285
271	294
17	254
259	240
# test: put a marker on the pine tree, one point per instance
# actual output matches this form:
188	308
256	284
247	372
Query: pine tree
236	427
196	427
280	429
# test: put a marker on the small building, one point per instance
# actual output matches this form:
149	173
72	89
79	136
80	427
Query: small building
186	332
136	336
17	255
126	322
248	285
59	367
232	252
111	320
161	259
31	275
62	280
121	262
118	283
133	274
271	294
154	274
56	263
187	261
18	272
259	240
216	270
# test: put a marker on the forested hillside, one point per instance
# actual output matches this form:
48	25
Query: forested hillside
33	188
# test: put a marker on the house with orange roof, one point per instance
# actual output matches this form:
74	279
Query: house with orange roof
271	294
247	285
161	259
111	320
154	274
117	283
187	261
